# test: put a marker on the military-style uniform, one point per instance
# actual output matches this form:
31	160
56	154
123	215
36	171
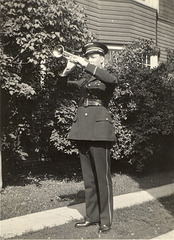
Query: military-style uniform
93	121
93	131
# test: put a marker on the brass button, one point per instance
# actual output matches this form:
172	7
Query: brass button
86	114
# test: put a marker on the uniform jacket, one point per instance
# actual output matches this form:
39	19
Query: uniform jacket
93	123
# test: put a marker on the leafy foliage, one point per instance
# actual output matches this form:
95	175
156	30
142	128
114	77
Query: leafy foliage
142	107
31	29
37	113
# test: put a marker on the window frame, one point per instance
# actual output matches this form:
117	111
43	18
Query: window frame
148	60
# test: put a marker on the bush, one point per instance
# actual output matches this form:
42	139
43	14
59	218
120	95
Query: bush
31	29
37	114
142	108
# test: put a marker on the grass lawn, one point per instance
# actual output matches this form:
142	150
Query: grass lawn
41	194
144	221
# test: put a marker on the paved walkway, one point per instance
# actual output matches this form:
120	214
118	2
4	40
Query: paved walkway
166	236
36	221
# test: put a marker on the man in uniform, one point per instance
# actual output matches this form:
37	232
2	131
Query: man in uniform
93	131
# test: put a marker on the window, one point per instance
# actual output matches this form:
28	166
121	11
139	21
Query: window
112	49
151	3
151	60
154	61
146	60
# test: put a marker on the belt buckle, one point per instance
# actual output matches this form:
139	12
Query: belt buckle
98	102
86	102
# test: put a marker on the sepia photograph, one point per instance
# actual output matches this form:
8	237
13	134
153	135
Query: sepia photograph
87	119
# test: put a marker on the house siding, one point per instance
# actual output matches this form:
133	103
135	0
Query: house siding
119	22
143	19
166	9
116	22
165	40
104	21
165	27
91	9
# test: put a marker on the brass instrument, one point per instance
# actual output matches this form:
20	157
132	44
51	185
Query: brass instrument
59	53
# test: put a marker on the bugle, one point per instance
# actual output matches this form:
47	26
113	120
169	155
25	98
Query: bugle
60	52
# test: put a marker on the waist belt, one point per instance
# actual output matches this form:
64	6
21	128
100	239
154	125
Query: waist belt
92	102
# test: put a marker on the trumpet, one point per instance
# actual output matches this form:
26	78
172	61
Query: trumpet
60	52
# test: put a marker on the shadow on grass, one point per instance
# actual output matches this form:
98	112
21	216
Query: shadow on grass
167	203
77	197
38	171
72	171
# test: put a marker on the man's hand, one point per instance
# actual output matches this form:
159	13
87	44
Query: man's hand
79	61
69	68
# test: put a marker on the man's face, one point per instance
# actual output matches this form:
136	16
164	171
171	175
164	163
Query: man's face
96	59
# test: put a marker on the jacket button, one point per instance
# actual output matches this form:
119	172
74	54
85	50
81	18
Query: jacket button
86	114
107	119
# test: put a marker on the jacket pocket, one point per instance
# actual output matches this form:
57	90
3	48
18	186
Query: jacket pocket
103	128
104	117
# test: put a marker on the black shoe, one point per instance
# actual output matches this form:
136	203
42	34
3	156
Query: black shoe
104	229
84	224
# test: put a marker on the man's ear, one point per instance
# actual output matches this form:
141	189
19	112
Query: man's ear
102	59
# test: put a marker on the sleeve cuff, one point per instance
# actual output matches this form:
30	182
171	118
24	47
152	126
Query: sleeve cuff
90	68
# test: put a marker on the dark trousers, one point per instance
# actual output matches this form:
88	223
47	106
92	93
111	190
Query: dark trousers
95	163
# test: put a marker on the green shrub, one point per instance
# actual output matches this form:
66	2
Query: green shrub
142	107
30	31
37	114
